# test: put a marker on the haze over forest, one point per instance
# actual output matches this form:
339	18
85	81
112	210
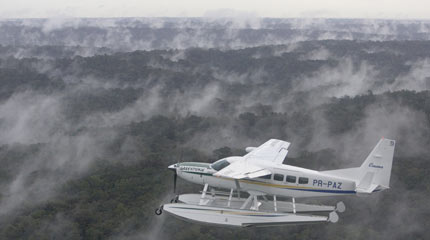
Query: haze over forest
92	111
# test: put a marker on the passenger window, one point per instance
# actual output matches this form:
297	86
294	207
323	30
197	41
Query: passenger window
278	177
291	179
303	180
266	176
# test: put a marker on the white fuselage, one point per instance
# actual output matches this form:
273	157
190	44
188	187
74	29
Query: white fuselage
286	180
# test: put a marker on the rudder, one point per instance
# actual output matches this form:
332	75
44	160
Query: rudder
378	165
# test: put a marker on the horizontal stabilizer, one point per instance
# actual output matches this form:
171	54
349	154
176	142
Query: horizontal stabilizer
368	190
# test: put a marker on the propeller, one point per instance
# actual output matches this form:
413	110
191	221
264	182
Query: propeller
174	182
175	176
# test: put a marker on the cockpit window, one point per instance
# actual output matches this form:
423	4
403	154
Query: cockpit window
220	164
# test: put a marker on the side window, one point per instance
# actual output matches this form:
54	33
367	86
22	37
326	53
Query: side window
291	179
303	180
278	177
266	176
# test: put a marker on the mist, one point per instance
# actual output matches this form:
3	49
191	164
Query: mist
218	29
79	93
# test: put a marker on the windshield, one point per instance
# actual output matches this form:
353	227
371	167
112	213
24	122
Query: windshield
220	164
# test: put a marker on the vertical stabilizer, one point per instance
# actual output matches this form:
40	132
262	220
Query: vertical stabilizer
376	169
375	172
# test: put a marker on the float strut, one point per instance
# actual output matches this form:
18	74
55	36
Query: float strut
229	197
246	202
294	205
274	203
202	198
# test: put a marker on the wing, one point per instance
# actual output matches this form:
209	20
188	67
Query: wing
242	169
273	150
250	165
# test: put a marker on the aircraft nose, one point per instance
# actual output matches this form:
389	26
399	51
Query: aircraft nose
173	167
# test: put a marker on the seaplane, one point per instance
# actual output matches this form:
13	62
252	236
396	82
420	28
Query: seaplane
272	187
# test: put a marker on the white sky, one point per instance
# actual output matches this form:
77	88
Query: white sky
404	9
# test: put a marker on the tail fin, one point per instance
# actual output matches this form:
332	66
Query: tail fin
376	169
375	172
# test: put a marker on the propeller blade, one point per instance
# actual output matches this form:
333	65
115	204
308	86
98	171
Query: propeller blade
174	182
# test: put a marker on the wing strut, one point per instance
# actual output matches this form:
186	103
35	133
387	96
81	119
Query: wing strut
237	188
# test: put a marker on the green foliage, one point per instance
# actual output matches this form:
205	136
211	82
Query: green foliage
222	152
116	197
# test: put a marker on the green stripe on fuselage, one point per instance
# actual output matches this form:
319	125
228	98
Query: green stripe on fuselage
194	164
199	173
